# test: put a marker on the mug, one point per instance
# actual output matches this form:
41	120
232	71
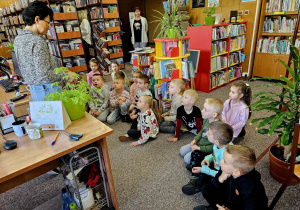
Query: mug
34	131
19	128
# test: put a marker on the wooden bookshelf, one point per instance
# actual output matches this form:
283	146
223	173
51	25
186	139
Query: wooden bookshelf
109	2
113	29
267	64
205	80
69	35
116	55
70	53
65	16
111	15
78	68
114	42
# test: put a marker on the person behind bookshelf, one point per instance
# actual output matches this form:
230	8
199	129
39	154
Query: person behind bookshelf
99	106
212	110
142	85
134	88
236	111
119	99
139	29
169	118
147	125
34	58
237	185
95	66
220	135
188	115
114	67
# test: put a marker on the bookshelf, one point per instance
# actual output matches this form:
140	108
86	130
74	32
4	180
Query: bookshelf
142	60
106	31
171	63
65	39
276	27
221	54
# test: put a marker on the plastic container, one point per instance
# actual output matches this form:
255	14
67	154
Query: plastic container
87	198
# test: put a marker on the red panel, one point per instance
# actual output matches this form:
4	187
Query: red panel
175	74
135	62
174	52
202	80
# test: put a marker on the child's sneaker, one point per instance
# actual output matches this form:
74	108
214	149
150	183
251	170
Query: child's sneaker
191	187
125	138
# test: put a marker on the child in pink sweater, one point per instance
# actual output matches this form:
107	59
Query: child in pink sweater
236	111
95	67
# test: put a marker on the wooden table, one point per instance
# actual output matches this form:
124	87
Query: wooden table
34	158
21	105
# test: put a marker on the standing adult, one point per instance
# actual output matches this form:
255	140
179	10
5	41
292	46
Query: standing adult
35	61
139	29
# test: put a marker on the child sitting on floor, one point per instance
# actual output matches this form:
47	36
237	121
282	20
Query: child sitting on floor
175	89
94	65
188	115
119	100
133	88
100	94
147	126
142	85
237	185
236	111
114	66
212	110
220	134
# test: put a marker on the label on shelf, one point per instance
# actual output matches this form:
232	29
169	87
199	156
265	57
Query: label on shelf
278	13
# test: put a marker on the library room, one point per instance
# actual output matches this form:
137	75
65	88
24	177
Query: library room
149	104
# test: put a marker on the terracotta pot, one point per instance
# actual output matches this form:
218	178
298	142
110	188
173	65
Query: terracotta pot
279	168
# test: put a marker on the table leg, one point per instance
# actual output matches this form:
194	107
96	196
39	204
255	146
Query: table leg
102	145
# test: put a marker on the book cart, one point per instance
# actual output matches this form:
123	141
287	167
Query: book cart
171	63
142	60
221	54
85	179
103	16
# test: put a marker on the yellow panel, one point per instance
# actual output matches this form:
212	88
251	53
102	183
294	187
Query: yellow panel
158	48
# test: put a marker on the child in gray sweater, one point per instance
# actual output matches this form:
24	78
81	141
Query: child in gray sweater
99	94
169	118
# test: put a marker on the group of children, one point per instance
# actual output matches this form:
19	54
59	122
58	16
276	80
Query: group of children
223	172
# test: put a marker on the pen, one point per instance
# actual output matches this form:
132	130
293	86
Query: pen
54	140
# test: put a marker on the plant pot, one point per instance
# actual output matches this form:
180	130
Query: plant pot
210	21
171	33
75	111
278	168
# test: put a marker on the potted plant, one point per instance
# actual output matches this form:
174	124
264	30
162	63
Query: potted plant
209	19
169	23
282	120
74	95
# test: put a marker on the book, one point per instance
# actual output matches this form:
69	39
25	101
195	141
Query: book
185	72
165	90
163	70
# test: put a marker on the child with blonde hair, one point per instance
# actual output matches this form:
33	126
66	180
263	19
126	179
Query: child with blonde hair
236	111
114	67
169	118
212	110
188	115
95	67
147	126
237	185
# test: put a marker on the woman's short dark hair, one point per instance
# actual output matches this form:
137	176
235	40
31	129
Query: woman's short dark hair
137	8
36	8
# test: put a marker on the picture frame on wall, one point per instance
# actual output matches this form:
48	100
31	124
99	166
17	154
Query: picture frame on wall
198	4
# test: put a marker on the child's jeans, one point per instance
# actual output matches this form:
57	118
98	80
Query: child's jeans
103	115
185	152
167	127
134	133
116	114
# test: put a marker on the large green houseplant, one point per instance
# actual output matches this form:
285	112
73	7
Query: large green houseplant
281	120
74	95
209	19
169	22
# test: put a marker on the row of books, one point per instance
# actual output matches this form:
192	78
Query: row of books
75	61
115	49
96	13
112	23
80	3
93	1
282	5
218	63
11	31
144	59
235	58
64	7
223	77
230	30
111	37
168	46
237	43
2	36
110	9
118	60
280	25
273	45
162	91
104	63
218	47
64	45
